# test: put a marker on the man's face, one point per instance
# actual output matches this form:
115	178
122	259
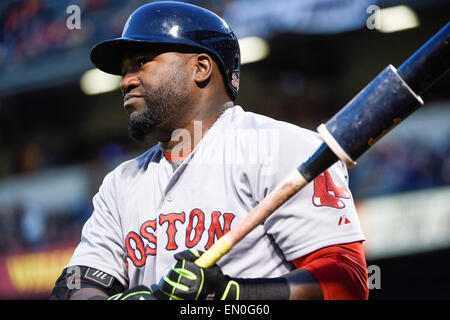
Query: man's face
155	91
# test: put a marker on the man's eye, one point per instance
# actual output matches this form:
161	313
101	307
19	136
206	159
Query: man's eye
142	61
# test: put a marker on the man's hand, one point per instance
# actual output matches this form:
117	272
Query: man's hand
187	281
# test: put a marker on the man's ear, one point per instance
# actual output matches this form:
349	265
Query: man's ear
204	65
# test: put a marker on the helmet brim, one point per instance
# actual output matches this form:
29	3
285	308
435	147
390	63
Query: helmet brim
108	55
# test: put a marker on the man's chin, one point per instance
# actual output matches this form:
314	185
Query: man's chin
136	137
147	124
138	130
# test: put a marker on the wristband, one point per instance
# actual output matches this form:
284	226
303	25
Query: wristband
260	288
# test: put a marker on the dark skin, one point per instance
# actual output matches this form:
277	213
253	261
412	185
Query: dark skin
201	96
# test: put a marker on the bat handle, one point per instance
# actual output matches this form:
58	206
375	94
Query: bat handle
214	253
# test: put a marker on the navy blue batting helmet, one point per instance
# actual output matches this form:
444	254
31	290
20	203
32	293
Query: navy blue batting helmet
177	23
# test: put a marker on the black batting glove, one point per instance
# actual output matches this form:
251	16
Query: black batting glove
187	281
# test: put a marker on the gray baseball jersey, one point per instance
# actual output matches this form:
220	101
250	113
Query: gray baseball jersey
147	209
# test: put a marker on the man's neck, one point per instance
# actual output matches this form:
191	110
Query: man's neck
184	140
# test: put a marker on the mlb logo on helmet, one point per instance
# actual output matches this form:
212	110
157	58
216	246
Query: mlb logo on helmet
235	80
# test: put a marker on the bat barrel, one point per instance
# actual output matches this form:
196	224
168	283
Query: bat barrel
386	101
428	63
372	113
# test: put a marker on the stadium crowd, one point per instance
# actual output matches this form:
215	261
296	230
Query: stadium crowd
399	166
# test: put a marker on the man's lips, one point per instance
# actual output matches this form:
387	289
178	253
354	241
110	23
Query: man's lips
129	99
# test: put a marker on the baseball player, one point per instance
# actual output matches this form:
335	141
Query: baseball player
214	162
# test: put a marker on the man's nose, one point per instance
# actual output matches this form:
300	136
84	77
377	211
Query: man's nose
129	81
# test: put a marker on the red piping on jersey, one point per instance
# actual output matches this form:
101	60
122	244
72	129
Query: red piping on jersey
173	157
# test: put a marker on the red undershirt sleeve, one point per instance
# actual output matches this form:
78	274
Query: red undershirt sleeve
340	269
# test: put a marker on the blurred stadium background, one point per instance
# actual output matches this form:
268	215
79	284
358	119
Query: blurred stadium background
304	60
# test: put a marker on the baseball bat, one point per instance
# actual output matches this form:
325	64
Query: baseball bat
385	102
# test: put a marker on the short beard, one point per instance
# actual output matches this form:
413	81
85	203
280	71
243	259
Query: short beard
162	103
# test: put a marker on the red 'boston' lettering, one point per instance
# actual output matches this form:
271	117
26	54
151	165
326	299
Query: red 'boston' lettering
171	218
137	254
199	228
150	224
143	244
215	229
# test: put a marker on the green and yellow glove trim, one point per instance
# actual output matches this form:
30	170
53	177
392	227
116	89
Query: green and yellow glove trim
188	281
183	273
